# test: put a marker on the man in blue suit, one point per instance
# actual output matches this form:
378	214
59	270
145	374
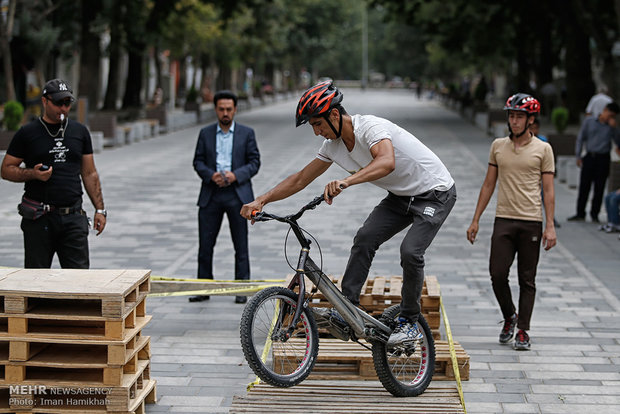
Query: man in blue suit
226	159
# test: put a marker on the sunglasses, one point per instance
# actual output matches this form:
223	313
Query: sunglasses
63	102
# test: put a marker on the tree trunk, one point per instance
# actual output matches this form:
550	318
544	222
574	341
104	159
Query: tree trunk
523	69
6	32
112	90
579	84
90	53
134	77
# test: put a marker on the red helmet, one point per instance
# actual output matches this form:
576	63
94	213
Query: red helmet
317	101
524	103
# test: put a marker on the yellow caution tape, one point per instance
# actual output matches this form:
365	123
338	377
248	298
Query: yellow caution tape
177	279
268	344
455	363
219	291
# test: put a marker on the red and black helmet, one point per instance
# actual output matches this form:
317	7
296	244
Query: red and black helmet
524	103
317	101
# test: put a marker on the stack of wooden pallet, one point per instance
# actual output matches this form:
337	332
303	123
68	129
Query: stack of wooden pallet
339	360
71	341
381	292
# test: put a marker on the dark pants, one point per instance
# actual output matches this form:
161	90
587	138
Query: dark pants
64	235
522	238
223	201
594	170
425	213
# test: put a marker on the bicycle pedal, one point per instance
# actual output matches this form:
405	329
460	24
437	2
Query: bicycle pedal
406	347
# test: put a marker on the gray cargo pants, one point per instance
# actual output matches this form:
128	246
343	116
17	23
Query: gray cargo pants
425	213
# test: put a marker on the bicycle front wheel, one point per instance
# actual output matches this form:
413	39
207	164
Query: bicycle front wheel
405	374
276	357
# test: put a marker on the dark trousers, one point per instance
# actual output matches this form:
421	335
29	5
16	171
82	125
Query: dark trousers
594	171
510	238
64	235
425	213
223	201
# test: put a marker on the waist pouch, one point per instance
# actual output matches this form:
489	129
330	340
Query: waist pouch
31	209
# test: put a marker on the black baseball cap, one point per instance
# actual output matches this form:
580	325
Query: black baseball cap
57	90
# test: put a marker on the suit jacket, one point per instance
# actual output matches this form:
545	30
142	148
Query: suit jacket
245	162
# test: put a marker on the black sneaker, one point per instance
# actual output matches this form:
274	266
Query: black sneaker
576	218
522	341
508	330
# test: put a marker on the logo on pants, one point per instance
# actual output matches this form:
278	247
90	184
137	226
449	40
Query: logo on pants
429	211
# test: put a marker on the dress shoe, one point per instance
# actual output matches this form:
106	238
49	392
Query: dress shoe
576	218
199	298
241	299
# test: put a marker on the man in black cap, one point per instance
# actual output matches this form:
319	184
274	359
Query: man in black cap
58	157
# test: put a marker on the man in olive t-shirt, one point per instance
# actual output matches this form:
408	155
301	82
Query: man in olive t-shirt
519	163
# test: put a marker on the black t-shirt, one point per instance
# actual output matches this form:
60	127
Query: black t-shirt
35	145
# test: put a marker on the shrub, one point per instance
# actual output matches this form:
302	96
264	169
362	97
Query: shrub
13	114
559	118
192	95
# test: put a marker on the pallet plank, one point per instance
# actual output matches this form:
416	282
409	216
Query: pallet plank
345	397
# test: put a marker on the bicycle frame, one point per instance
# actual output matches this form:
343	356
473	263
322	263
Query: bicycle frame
362	324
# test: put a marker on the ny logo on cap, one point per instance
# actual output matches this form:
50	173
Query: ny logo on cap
62	87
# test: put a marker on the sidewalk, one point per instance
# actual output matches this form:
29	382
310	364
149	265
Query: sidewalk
150	190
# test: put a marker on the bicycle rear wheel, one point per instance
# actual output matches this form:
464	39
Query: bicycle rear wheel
274	357
405	375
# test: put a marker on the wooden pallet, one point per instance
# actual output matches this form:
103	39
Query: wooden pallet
118	352
345	397
136	388
76	328
381	292
338	360
72	292
77	363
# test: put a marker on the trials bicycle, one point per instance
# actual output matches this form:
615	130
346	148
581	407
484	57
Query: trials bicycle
279	330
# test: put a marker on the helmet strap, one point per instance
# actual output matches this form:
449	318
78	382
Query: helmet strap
526	129
339	132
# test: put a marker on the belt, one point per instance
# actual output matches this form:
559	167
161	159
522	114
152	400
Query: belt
66	210
63	211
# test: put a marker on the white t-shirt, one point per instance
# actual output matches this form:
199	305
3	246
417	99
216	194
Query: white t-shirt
597	103
417	168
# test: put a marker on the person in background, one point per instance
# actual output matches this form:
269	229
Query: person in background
598	102
596	135
58	157
226	159
520	163
612	205
535	128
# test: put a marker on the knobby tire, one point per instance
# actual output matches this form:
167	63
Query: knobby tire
282	363
405	376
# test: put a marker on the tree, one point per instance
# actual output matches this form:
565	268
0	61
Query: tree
7	18
90	49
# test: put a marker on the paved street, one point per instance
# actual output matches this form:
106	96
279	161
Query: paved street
150	190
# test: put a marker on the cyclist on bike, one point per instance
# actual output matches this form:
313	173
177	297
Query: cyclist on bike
421	192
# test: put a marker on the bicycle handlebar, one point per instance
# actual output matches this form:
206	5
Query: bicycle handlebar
264	216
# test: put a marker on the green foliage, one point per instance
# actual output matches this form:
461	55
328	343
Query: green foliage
192	94
559	118
13	114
